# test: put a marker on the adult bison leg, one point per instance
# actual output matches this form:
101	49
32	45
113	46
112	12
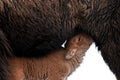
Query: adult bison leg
5	50
107	38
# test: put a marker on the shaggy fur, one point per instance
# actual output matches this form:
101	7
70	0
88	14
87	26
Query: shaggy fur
56	66
36	27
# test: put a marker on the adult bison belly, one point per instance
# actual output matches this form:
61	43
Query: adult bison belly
35	26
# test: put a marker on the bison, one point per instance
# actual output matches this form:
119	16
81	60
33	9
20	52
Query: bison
56	66
34	28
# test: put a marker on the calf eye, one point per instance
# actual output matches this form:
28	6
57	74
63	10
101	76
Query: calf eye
79	39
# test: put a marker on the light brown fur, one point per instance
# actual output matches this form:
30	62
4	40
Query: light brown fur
56	66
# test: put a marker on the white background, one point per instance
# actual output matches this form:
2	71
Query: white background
93	67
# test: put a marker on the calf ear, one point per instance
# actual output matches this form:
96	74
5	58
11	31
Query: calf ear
70	54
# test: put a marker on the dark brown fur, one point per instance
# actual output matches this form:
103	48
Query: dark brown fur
56	66
36	27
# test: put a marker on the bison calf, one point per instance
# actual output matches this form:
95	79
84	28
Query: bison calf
56	66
